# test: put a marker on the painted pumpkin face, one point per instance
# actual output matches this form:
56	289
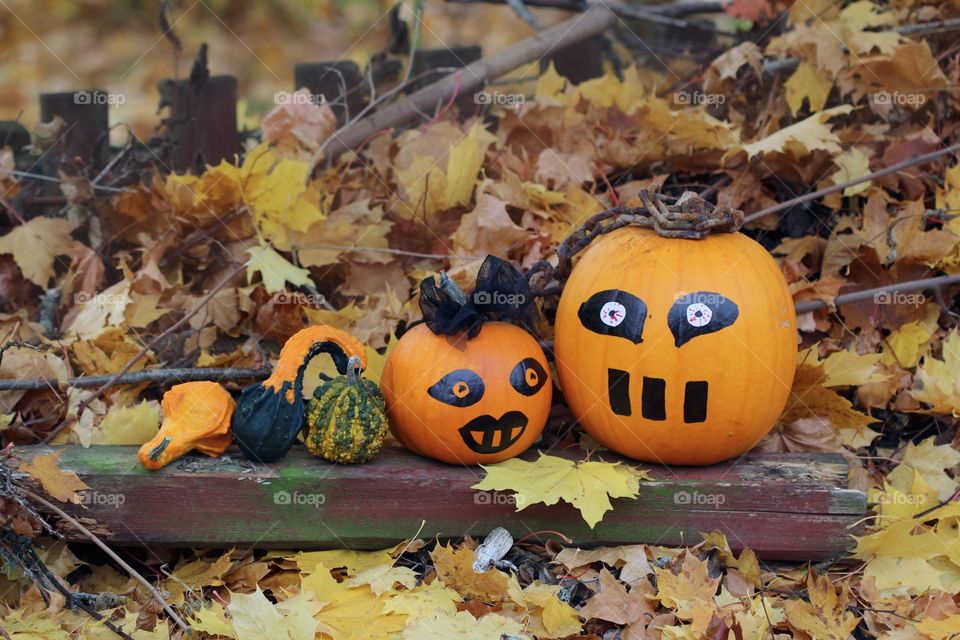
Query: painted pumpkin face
482	404
676	351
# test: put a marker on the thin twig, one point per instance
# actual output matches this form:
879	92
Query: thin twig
43	178
107	550
176	325
910	162
866	294
573	30
190	374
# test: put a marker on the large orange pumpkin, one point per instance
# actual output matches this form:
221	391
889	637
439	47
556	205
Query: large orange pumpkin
467	400
676	351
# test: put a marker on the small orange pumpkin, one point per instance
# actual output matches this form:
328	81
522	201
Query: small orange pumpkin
676	351
196	416
467	400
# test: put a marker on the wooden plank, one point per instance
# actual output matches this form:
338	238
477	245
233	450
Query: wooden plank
13	135
332	80
87	126
579	61
791	506
202	123
442	60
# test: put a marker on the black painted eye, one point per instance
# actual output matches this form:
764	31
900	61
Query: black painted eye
460	388
528	376
700	313
614	313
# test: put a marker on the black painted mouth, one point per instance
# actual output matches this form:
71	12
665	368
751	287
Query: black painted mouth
652	397
486	434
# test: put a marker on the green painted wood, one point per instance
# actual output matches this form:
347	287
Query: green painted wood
791	506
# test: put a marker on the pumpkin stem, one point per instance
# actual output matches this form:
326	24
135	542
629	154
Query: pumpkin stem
157	451
452	289
354	367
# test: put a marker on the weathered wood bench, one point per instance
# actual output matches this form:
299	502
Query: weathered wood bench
790	506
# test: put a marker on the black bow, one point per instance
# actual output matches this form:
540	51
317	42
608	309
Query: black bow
501	293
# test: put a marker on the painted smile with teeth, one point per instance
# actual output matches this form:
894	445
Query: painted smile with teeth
653	395
486	434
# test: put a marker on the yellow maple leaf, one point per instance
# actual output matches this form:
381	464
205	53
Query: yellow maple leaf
343	604
852	164
36	625
588	486
557	618
843	368
807	83
810	399
277	193
455	568
128	425
213	620
383	577
197	574
939	629
353	561
907	344
36	245
423	600
825	617
462	626
438	169
60	484
690	592
275	270
550	84
931	461
905	493
254	617
802	137
937	382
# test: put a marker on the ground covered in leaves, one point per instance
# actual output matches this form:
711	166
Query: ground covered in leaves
823	93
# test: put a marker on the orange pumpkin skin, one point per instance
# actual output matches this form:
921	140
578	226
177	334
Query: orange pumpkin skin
722	299
424	367
196	416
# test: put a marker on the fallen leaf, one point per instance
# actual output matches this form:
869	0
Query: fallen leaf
588	486
61	485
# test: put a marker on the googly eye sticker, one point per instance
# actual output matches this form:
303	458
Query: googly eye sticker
612	313
700	313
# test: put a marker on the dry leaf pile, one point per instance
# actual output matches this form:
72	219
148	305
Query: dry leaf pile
827	93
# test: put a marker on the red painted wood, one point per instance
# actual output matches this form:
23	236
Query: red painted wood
785	507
